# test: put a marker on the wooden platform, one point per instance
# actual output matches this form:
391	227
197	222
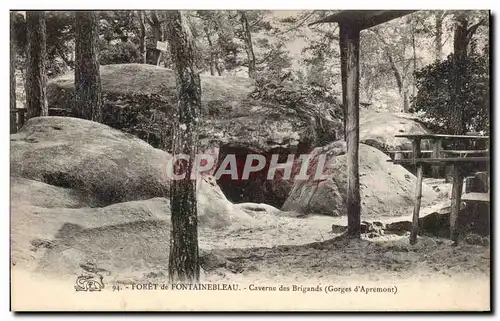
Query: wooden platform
452	160
476	197
457	152
441	136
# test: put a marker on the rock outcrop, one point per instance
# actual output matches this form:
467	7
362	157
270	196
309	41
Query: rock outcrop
378	129
385	188
93	159
140	99
77	184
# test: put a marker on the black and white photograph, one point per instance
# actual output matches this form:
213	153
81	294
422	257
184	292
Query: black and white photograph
250	160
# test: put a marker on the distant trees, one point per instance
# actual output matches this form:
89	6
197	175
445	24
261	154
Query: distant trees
36	59
257	42
246	35
463	33
183	259
88	97
454	93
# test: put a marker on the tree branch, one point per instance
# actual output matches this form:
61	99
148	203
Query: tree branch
298	25
474	27
148	20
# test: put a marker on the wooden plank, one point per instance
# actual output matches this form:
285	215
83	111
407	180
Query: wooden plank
18	110
443	136
455	201
476	197
416	208
483	159
457	152
349	56
363	19
408	151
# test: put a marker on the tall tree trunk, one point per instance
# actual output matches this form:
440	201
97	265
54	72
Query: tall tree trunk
438	42
88	96
36	57
183	261
399	81
247	38
212	54
157	30
460	43
142	36
12	63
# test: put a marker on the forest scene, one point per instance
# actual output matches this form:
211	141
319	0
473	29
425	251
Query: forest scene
251	147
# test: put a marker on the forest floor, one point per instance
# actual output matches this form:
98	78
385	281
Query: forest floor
283	250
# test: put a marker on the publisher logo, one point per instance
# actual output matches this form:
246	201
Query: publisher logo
89	283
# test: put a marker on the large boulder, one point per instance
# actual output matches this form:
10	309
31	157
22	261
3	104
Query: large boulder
378	129
386	189
91	158
140	99
71	178
71	162
25	191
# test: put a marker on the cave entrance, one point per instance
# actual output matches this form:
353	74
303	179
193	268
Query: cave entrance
255	189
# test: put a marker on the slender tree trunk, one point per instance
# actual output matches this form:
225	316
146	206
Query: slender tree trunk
399	81
438	42
247	38
414	87
212	55
183	260
36	57
406	101
217	67
142	36
12	63
156	28
460	43
88	96
220	35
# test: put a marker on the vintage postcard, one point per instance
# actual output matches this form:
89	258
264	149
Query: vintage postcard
250	160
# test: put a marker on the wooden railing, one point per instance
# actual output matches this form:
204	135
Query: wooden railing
457	158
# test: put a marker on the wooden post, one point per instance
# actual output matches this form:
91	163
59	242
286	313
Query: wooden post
13	121
349	57
418	192
21	119
456	198
436	153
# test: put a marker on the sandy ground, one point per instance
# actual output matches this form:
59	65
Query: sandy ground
281	251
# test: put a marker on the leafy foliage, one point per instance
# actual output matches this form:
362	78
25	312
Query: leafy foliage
435	90
119	53
307	100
